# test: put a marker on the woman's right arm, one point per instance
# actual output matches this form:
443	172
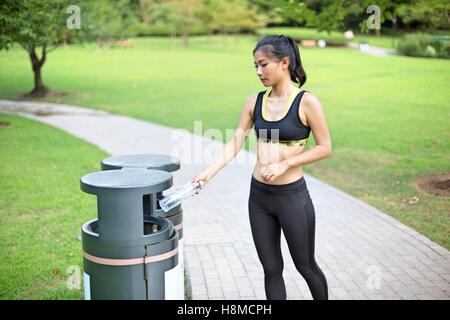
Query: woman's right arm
232	147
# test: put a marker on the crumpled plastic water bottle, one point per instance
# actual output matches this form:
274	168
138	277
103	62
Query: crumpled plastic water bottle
179	194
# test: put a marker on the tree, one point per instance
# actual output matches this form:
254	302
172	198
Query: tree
232	16
40	26
429	14
109	19
329	15
144	11
178	16
287	12
34	24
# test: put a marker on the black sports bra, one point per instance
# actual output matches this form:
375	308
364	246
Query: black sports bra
288	130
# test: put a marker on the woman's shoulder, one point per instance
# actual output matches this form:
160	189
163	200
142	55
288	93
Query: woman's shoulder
252	97
309	100
251	103
251	100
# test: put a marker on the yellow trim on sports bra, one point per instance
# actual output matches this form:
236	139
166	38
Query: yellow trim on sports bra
286	107
296	143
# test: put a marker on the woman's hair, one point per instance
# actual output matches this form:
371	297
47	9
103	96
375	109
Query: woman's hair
278	47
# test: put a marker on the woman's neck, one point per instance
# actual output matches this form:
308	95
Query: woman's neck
282	90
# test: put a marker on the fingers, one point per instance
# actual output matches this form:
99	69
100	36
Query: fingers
201	179
267	174
198	180
264	175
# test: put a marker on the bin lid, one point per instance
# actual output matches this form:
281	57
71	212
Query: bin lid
147	161
139	179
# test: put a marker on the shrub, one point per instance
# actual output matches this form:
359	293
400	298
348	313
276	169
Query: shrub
423	45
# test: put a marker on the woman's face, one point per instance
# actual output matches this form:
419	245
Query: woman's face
268	70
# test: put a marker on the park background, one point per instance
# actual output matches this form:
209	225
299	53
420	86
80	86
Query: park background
177	61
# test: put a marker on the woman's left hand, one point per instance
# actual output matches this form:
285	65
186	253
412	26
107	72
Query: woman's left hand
272	171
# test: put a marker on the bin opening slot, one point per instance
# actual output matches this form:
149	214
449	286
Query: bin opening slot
150	227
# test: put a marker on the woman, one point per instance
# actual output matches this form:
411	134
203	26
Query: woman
283	117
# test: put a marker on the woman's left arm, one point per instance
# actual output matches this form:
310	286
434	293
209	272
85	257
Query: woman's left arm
315	117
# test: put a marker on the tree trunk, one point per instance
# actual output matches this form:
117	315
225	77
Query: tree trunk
185	38
143	11
173	36
210	37
225	38
39	89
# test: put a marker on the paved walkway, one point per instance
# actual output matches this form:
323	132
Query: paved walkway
374	51
364	253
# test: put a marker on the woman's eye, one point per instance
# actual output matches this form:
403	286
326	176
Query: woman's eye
264	65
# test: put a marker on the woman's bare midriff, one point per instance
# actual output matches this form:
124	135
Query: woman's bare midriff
269	153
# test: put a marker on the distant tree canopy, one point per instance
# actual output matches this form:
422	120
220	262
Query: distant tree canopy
183	17
331	15
234	16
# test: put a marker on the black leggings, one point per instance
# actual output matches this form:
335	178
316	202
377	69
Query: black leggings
288	207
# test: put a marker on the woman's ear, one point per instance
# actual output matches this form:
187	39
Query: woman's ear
285	63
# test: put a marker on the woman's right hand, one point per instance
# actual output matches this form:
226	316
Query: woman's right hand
203	176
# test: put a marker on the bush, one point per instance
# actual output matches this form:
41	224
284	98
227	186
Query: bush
423	45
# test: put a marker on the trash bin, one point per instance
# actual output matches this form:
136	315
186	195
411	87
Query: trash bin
127	255
151	205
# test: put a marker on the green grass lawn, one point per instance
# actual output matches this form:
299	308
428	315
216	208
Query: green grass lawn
388	116
42	208
383	41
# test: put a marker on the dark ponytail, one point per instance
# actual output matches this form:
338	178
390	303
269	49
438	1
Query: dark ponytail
279	47
298	74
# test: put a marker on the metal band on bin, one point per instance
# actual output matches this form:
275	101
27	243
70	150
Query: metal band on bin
178	226
130	262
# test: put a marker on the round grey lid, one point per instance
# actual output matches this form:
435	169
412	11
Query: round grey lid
147	161
127	178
